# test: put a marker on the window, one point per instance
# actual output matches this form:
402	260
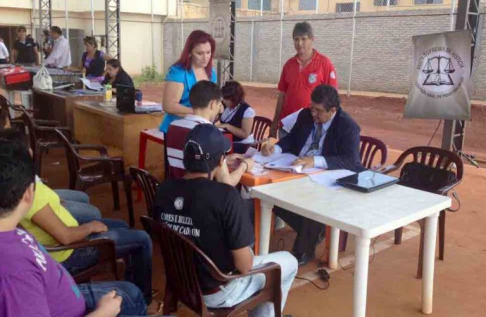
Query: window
307	4
238	4
255	5
384	3
347	7
429	1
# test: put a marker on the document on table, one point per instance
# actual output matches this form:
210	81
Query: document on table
282	162
94	85
289	121
328	178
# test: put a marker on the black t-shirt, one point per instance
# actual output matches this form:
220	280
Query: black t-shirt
122	78
211	214
25	51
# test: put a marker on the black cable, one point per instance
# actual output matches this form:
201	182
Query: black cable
435	132
328	284
373	256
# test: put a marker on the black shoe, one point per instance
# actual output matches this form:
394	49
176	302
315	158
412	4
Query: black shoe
303	258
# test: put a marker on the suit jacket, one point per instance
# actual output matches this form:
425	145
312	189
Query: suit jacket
341	143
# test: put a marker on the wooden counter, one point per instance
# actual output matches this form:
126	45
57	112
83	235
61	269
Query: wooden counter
58	104
97	124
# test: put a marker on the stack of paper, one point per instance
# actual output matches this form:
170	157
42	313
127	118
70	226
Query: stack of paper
328	178
282	162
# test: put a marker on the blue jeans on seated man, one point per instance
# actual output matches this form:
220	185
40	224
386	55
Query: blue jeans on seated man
133	303
135	246
243	288
77	203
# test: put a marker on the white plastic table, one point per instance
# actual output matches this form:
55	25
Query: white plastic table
363	215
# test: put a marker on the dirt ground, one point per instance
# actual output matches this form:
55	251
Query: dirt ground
380	117
459	286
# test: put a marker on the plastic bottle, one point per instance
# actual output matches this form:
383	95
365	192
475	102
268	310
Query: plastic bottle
108	92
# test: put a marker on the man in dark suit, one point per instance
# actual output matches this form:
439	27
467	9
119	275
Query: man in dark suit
323	136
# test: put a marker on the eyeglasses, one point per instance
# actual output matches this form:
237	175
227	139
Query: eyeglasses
318	111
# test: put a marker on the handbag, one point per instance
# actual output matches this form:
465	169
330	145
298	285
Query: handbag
42	80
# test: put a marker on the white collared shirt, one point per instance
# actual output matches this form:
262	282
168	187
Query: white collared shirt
319	160
60	56
3	51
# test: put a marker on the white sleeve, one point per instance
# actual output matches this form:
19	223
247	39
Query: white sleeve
4	49
249	113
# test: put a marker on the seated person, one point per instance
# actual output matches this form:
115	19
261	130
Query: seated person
32	283
323	136
237	118
205	97
75	201
116	75
52	224
93	60
216	211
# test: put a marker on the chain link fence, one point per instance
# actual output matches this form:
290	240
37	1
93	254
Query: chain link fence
369	41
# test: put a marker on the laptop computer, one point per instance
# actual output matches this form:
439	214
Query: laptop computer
125	98
367	181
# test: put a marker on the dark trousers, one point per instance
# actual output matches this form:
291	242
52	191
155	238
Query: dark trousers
308	230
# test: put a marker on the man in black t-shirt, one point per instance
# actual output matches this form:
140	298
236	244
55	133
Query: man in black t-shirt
25	49
212	215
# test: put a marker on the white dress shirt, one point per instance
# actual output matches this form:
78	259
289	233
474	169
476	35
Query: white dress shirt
319	160
3	51
60	56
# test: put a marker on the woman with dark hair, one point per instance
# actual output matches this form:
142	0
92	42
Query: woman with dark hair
195	64
116	74
93	60
237	117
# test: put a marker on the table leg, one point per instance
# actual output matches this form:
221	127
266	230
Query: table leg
334	248
142	149
429	259
361	276
257	219
265	227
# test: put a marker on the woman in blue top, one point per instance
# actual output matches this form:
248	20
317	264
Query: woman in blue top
195	64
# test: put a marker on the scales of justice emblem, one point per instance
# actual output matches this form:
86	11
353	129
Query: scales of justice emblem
438	70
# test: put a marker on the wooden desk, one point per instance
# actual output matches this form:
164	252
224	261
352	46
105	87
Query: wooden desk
268	177
58	104
365	215
96	124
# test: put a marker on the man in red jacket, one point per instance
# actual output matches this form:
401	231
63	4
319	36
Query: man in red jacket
300	75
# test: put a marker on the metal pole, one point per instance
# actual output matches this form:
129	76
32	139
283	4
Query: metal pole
251	49
281	35
66	13
387	5
152	30
92	19
352	47
453	4
261	7
182	24
317	6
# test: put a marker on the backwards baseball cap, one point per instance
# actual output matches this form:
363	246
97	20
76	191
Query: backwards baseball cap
204	146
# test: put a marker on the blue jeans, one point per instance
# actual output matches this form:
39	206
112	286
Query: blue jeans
133	303
133	245
77	203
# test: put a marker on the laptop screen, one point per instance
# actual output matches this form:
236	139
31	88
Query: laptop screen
367	180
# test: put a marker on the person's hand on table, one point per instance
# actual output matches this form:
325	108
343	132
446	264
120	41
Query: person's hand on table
307	161
221	125
232	159
249	164
268	149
